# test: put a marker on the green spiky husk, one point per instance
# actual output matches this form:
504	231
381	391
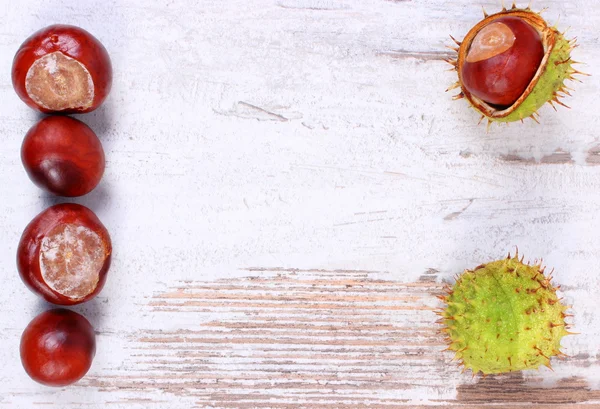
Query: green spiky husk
504	316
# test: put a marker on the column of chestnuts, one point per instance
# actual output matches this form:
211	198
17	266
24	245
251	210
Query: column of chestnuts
64	253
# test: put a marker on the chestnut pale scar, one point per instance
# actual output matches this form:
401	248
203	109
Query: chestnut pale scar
58	82
71	258
492	40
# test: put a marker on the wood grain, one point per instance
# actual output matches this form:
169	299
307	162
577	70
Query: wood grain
288	187
310	339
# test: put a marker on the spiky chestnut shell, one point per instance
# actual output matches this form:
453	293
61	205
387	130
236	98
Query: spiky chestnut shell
548	82
504	316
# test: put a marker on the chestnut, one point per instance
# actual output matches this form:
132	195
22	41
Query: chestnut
63	156
64	254
62	69
511	63
58	347
502	60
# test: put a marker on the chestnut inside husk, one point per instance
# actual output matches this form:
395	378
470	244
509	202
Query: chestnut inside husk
512	63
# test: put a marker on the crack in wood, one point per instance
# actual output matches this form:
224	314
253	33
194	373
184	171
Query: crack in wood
418	55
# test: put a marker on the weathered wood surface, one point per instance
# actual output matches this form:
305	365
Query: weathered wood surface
288	188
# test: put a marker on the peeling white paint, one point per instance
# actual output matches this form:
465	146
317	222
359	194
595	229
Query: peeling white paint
307	135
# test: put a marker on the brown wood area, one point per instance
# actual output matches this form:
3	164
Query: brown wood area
292	338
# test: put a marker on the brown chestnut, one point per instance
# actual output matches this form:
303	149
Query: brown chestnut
63	69
502	60
58	347
64	254
63	156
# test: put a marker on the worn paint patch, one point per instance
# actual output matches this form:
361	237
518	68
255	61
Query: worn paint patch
283	338
515	388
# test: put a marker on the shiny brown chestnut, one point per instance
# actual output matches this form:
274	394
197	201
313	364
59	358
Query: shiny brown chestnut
62	69
63	156
64	254
58	347
502	60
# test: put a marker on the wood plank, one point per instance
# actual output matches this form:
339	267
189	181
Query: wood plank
288	188
314	338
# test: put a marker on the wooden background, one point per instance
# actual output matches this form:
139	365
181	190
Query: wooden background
288	188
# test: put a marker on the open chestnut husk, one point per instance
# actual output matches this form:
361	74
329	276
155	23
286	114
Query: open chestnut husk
64	254
512	63
63	156
62	69
58	347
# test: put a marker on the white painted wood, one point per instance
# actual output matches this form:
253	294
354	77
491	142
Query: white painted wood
288	186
